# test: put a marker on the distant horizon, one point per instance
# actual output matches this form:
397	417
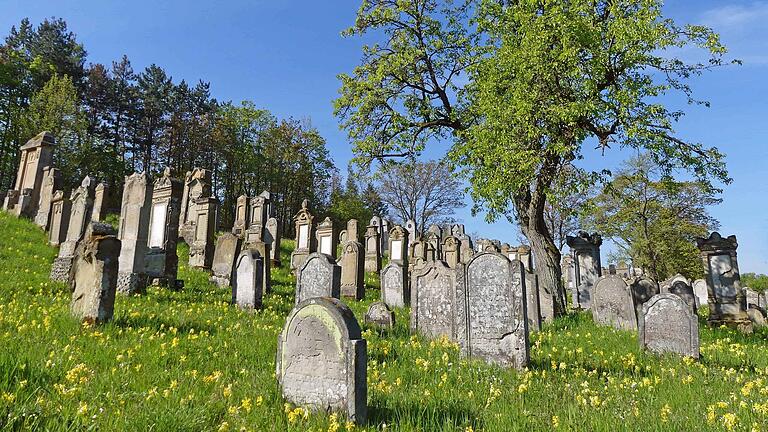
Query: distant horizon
285	58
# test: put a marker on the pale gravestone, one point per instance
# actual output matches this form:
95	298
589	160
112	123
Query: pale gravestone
319	276
241	216
322	359
433	301
51	183
410	227
380	315
326	238
227	250
751	296
305	240
681	289
272	231
384	236
162	262
700	290
485	245
372	249
667	284
36	155
352	264
61	208
398	246
491	322
99	211
248	287
134	233
451	252
466	250
727	305
254	240
642	289
612	303
395	290
585	248
532	301
668	325
201	244
80	216
94	281
197	185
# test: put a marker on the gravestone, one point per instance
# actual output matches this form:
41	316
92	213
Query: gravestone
642	288
372	251
94	280
51	183
254	240
585	249
272	233
384	236
757	316
752	297
248	285
268	207
432	249
485	245
200	240
466	250
398	246
197	185
457	230
410	227
162	262
533	301
451	252
305	240
700	290
99	210
258	211
762	300
80	216
380	315
319	276
242	206
612	303
667	284
61	207
681	289
227	250
492	322
433	300
395	290
36	155
342	236
668	325
352	265
10	202
568	273
134	233
326	238
727	305
322	359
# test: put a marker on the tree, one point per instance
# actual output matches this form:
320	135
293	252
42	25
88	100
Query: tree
426	192
543	80
654	219
757	282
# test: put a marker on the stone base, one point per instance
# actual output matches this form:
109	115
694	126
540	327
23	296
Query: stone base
220	281
352	292
131	283
744	325
62	269
175	285
372	265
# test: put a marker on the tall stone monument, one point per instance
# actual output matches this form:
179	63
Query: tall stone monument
272	233
80	216
99	206
202	243
51	183
585	249
305	240
94	280
197	184
61	208
352	264
372	249
134	233
327	238
254	241
36	154
162	262
398	246
241	216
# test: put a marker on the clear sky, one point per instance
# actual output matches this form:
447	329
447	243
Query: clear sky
285	55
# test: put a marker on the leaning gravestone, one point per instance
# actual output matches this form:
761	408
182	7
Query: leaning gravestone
51	183
95	274
134	233
99	209
380	315
272	234
322	359
700	290
224	256
491	322
319	276
248	288
80	216
433	300
61	208
200	237
35	156
612	303
681	289
643	288
395	291
668	325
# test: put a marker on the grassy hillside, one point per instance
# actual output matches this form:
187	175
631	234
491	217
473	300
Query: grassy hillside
190	361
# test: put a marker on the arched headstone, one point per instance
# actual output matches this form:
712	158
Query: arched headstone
681	289
319	276
248	288
433	301
380	315
322	359
612	303
667	324
643	288
395	291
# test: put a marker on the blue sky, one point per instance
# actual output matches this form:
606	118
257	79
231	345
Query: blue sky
285	56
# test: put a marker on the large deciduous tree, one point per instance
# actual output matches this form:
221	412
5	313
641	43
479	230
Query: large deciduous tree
543	79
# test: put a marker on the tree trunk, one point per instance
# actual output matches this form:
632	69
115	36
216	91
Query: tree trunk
547	258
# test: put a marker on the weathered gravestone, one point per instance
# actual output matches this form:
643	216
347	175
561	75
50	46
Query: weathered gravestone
395	290
700	290
433	300
380	315
272	237
241	216
51	183
10	201
95	274
752	297
36	155
681	289
727	305
99	207
227	250
384	236
451	252
197	185
305	241
668	325
533	301
433	239
757	316
398	246
372	249
134	233
61	208
642	288
486	245
322	359
326	238
254	240
162	262
586	256
410	227
466	248
80	216
763	300
319	276
200	239
612	303
491	319
248	287
667	284
352	264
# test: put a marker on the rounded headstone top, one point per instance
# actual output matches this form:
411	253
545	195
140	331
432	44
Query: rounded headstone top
341	314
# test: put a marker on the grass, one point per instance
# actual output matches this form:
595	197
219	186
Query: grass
190	361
